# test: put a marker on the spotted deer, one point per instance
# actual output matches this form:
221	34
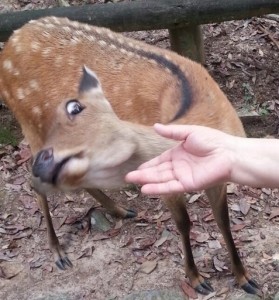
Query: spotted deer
87	130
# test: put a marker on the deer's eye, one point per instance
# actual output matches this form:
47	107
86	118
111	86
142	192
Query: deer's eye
73	107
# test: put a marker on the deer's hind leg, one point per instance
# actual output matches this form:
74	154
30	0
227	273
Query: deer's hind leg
180	215
218	201
110	205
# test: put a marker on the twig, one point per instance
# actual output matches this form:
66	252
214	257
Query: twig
269	35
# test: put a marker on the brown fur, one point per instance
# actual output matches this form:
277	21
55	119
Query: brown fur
40	68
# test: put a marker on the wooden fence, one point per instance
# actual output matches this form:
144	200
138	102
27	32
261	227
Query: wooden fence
181	17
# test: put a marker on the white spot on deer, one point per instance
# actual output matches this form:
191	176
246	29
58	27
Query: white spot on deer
55	20
154	62
168	71
49	25
20	94
112	46
99	30
18	48
110	35
124	51
120	40
167	57
79	33
75	40
36	111
46	34
15	39
6	94
87	27
128	103
35	46
58	60
129	53
67	28
75	24
46	52
34	85
8	65
71	61
16	72
102	43
27	92
46	104
91	38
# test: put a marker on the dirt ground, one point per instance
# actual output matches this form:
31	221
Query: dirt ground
146	253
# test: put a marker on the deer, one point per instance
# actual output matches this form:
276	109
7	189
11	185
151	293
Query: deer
86	99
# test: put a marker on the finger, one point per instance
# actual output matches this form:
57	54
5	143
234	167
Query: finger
175	132
163	158
169	187
150	175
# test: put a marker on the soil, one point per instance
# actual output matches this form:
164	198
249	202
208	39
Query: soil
145	253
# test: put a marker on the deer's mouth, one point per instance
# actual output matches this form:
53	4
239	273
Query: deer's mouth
51	171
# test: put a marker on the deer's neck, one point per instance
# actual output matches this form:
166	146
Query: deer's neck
149	143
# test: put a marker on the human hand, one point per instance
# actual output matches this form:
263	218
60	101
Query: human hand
202	159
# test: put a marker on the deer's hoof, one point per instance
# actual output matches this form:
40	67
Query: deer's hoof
204	288
130	214
63	262
252	287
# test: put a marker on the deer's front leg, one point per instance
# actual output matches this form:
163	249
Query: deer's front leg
60	258
110	205
180	215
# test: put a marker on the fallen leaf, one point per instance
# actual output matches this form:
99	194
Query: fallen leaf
158	216
2	274
161	241
144	243
23	234
235	207
118	224
148	266
218	264
209	217
237	227
194	198
126	242
87	252
231	188
274	213
209	296
28	202
202	237
215	244
166	216
244	206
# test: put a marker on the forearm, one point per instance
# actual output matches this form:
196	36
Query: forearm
255	162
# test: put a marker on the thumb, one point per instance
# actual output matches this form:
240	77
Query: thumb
175	132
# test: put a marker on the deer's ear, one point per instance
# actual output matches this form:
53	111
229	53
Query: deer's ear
89	81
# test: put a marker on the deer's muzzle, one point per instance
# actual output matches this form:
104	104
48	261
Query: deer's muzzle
46	168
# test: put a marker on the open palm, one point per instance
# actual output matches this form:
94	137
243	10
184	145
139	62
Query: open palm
197	162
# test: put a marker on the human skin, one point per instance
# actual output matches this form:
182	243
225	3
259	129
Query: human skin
205	157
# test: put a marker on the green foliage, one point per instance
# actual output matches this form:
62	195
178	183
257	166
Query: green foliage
7	137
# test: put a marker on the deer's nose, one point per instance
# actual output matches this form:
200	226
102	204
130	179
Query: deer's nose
43	163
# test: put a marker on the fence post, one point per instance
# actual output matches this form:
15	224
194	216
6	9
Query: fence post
188	41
